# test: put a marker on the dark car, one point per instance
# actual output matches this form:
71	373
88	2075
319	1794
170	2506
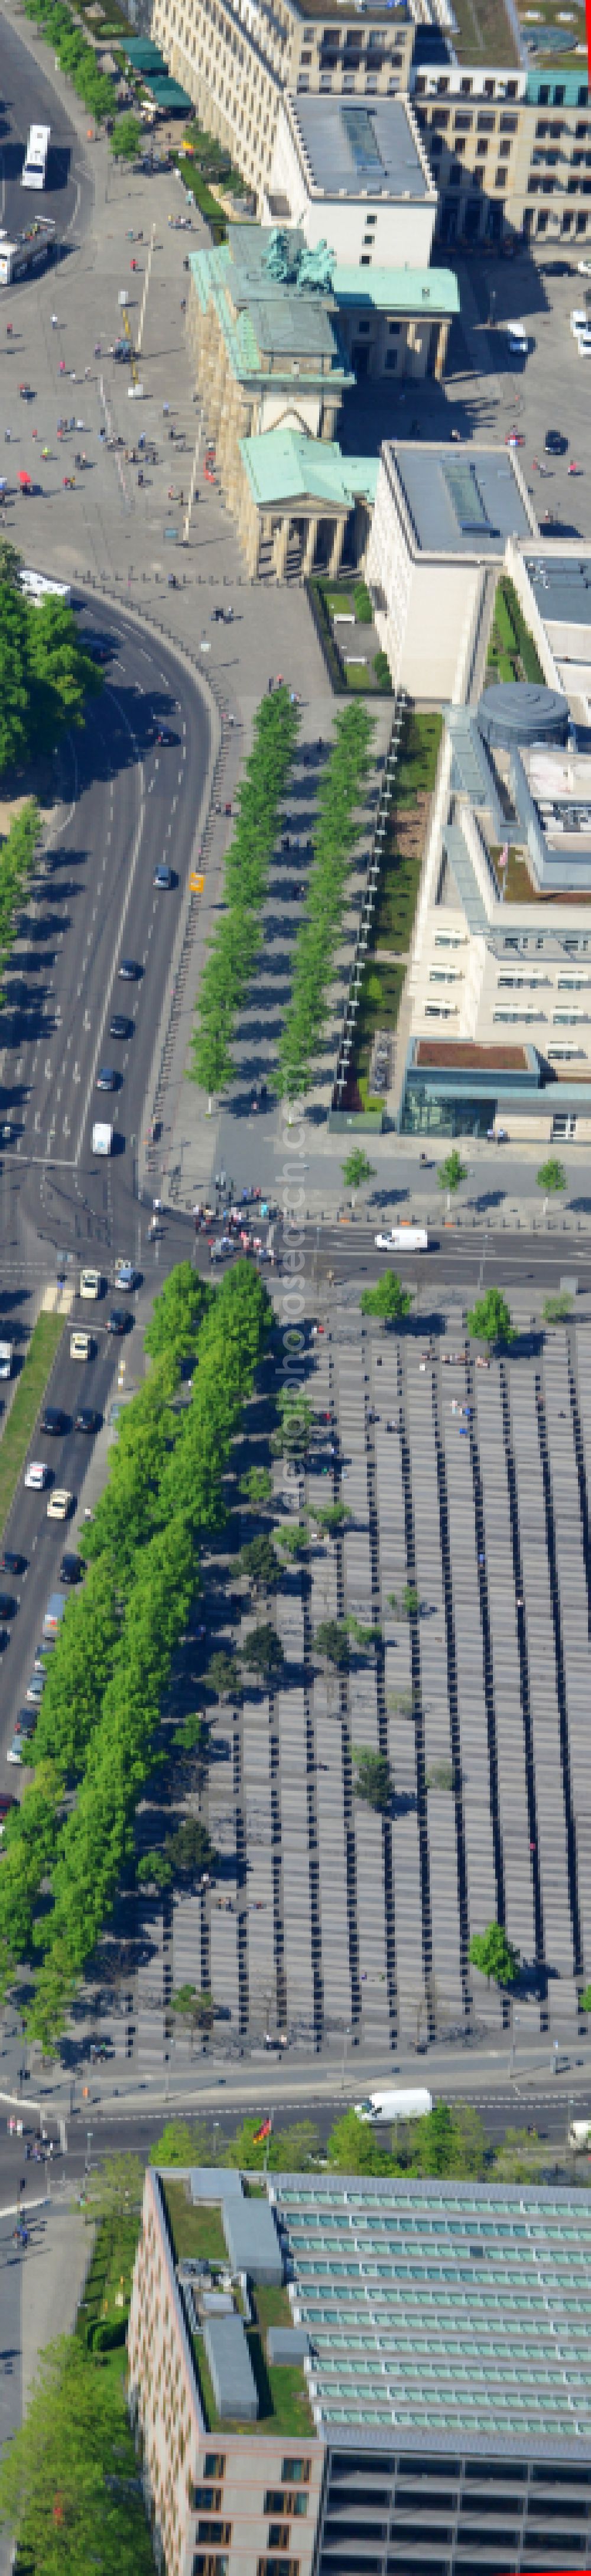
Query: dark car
98	647
119	1320
70	1568
164	734
4	1639
6	1804
54	1422
87	1419
129	970
107	1079
10	1562
163	877
555	442
119	1027
7	1605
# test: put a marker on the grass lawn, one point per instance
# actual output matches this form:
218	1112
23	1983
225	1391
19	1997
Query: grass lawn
45	1338
393	920
111	2270
419	754
272	2306
196	2231
339	602
483	32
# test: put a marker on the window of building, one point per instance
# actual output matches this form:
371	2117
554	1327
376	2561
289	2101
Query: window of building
443	975
305	58
524	1016
394	330
504	150
569	1019
448	939
207	2499
485	124
214	2464
500	179
463	123
559	96
466	88
440	118
440	1011
279	2535
371	221
295	2472
215	2531
508	124
365	260
391	360
544	94
481	148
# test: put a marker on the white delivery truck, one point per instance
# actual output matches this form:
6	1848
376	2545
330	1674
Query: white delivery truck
396	2105
102	1138
403	1238
5	1359
34	171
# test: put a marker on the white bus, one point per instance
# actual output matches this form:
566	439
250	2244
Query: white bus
34	172
38	586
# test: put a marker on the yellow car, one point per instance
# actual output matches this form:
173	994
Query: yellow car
60	1504
81	1346
90	1284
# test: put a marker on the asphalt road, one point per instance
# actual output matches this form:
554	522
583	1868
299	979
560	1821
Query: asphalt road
132	803
457	1259
28	99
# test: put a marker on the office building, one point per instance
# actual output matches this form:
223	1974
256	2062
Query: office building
510	151
434	2376
237	64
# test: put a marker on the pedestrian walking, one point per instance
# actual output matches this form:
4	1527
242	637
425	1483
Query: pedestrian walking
54	321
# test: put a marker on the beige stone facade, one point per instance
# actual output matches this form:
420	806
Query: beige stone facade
511	151
220	2503
237	62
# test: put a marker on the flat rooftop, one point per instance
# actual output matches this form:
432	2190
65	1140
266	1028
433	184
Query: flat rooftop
562	587
461	500
444	2309
387	14
361	148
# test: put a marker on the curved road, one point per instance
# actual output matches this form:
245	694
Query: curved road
28	98
133	803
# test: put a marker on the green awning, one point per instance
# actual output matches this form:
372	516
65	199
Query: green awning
143	55
168	93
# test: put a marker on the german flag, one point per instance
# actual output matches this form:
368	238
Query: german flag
263	2132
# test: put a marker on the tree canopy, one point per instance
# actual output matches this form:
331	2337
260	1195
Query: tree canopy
45	673
490	1320
388	1300
494	1955
68	2477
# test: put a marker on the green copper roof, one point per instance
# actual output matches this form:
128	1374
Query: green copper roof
284	466
270	332
433	291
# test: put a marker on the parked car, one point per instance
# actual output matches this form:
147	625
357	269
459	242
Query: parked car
70	1568
36	1686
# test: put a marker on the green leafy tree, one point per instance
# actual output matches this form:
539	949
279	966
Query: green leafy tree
126	138
293	2150
294	1538
189	1850
256	1487
10	564
68	2477
333	1518
451	1172
223	1676
262	1652
368	1638
115	2185
197	2009
154	1870
408	1606
357	1169
556	1310
332	1643
494	1955
353	2147
373	1783
447	2143
177	1313
551	1177
261	1565
234	948
388	1300
489	1320
184	2143
585	2000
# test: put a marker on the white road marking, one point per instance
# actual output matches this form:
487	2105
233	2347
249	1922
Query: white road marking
47	1068
76	1073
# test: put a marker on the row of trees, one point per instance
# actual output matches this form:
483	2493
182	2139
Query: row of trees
17	860
232	952
45	674
76	57
111	1664
69	2486
314	956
